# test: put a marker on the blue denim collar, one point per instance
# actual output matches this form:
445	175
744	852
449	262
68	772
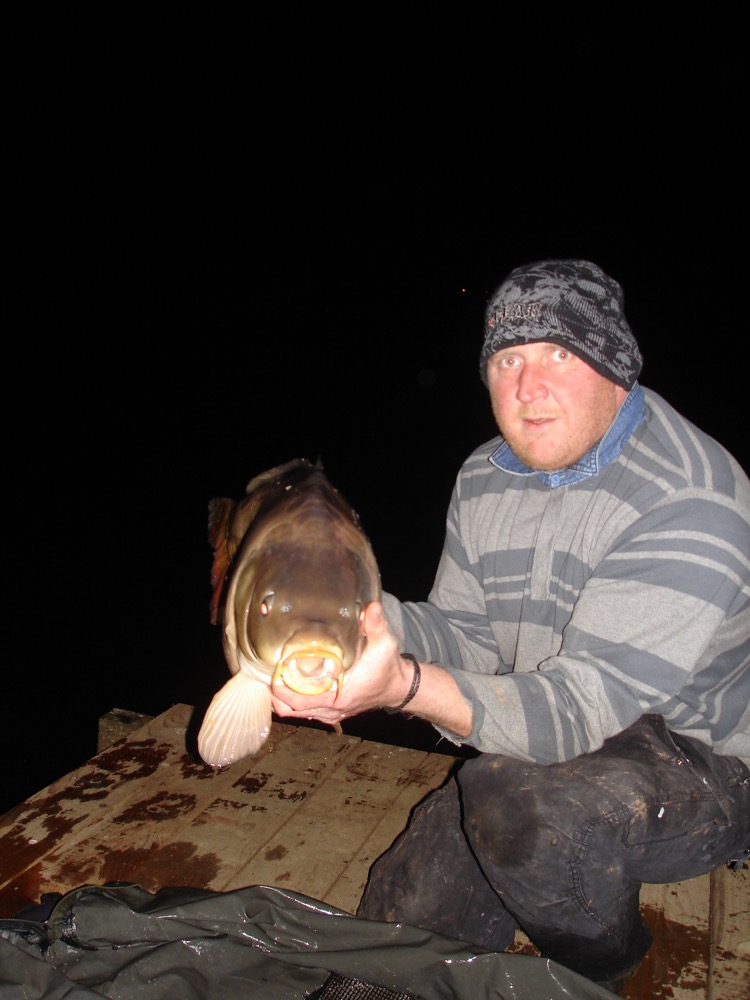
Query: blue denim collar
606	450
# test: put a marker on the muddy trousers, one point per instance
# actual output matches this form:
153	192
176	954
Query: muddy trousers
561	850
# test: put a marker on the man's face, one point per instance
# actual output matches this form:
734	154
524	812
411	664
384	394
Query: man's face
550	406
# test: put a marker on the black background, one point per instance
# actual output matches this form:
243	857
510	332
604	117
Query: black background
251	232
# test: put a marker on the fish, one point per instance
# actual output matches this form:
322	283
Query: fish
292	575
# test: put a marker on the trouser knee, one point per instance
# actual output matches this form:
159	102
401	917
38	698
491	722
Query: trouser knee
514	812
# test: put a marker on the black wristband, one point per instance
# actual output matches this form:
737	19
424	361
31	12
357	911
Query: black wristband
414	684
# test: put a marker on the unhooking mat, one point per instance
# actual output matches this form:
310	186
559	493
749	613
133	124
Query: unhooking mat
122	942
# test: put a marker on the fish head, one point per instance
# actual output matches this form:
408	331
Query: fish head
299	611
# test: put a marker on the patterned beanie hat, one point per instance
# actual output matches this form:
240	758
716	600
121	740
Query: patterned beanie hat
571	303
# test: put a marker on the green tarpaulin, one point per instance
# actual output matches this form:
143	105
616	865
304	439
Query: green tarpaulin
123	942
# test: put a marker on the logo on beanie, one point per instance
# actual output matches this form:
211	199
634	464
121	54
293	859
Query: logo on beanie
513	310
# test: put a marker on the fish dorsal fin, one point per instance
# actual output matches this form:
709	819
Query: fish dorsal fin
219	517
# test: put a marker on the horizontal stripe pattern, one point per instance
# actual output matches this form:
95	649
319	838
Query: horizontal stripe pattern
565	614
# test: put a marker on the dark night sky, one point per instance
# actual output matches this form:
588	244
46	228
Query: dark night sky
251	232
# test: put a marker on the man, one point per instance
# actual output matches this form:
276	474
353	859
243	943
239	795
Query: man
588	632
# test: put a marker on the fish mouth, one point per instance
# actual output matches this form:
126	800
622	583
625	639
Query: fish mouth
310	670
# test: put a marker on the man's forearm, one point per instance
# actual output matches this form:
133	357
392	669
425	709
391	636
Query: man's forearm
438	699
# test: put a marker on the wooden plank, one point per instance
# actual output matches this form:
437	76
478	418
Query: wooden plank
97	823
310	812
147	811
229	838
340	832
729	958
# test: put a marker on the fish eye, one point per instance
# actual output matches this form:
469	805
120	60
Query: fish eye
347	611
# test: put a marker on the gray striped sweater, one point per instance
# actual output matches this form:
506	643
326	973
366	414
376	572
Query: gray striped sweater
566	612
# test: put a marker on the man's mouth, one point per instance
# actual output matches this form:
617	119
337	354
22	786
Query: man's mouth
538	421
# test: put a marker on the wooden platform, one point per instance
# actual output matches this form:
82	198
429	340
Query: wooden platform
310	813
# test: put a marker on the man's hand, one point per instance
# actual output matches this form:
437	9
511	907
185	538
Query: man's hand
381	678
376	680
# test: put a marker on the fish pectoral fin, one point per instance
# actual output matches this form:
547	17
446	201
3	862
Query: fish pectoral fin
237	722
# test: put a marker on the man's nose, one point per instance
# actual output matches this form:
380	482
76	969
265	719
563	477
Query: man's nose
531	383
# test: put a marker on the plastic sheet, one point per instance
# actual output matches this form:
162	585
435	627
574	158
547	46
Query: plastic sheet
125	943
